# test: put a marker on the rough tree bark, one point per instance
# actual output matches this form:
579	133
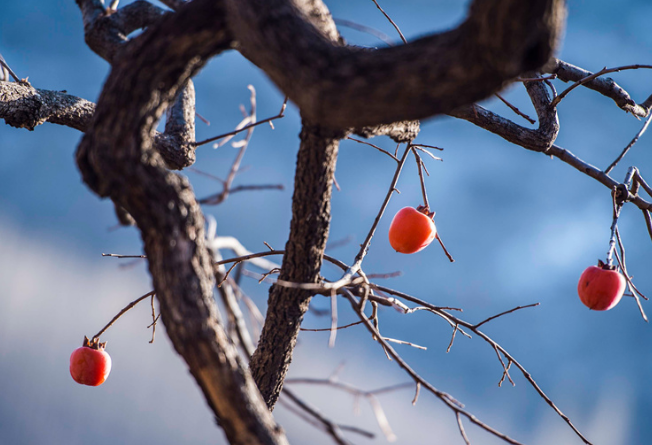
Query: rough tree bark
311	214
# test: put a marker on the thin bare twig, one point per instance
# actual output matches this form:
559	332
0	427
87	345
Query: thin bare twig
516	110
154	320
427	146
374	146
632	289
423	150
505	313
450	345
370	396
333	334
630	145
536	79
381	418
424	193
318	422
441	243
416	394
280	115
403	342
9	70
648	221
332	428
115	255
641	182
339	243
506	374
331	328
220	197
461	427
363	28
122	312
203	119
397	273
505	369
208	175
390	21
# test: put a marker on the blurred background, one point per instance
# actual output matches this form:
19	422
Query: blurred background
522	227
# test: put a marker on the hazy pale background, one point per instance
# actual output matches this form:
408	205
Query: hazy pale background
522	227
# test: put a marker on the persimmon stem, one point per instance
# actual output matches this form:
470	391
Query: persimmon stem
421	178
617	205
614	225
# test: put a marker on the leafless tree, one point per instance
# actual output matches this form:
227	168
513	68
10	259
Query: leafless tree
340	91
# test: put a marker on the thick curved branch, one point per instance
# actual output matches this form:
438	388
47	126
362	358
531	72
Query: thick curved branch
105	31
540	139
24	106
343	87
117	160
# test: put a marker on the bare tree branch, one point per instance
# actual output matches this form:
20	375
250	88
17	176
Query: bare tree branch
24	106
541	139
603	85
628	146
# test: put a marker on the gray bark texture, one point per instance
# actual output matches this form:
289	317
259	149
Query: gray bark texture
338	89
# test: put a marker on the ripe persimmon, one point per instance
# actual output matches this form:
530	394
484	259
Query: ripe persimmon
90	365
601	287
412	230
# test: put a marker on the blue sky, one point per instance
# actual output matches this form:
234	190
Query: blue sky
522	227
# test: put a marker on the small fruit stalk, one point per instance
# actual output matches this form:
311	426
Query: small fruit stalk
90	365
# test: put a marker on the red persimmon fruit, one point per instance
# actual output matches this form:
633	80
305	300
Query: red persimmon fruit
90	365
412	230
601	287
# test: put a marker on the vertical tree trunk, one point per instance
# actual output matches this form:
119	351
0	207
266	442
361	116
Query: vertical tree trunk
311	214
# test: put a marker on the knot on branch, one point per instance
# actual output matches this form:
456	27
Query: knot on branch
621	194
177	153
22	106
